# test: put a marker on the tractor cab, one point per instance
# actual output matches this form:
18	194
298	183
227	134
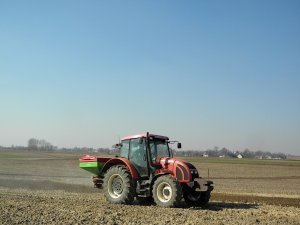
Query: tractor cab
144	151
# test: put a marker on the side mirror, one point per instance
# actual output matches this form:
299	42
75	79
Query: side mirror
119	145
178	145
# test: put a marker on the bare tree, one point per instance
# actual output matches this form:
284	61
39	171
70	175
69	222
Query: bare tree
33	143
36	144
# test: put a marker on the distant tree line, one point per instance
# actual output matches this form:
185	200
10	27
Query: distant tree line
224	152
43	145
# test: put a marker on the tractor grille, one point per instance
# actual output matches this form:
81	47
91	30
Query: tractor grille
193	171
181	173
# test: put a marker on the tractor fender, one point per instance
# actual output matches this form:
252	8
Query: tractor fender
159	175
121	161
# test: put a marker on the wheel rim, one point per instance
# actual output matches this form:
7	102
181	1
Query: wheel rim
115	186
164	192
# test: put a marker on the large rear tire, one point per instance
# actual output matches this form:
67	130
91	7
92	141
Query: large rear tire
118	185
167	192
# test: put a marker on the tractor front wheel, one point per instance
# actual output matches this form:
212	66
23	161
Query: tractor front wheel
118	185
167	192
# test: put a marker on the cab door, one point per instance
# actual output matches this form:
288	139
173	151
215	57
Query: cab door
138	157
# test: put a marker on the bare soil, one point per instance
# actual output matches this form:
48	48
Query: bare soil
48	188
60	207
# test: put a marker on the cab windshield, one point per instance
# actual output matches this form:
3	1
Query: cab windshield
159	148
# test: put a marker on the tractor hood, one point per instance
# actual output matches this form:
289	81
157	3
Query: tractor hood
184	172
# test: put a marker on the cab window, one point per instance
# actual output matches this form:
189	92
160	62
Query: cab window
125	148
159	148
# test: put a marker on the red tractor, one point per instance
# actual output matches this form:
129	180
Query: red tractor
147	171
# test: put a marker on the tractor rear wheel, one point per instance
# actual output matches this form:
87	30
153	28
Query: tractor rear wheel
118	185
167	192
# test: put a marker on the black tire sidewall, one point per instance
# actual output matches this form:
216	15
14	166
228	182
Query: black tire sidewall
202	198
145	200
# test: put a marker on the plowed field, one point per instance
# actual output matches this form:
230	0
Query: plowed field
49	188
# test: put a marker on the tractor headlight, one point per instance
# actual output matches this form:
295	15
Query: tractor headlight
194	172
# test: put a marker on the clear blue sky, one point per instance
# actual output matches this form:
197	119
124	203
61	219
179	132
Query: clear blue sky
207	73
